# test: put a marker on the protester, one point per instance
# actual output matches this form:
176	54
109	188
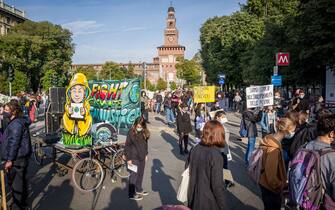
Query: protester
268	121
175	101
16	151
237	101
199	120
32	110
221	117
136	152
145	106
206	186
159	100
301	103
278	103
168	110
303	134
250	119
319	104
273	180
324	142
184	127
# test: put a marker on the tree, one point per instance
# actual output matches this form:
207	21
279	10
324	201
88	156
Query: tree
112	71
150	86
173	85
90	72
161	84
34	48
224	41
189	70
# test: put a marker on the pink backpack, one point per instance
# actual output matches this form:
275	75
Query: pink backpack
254	168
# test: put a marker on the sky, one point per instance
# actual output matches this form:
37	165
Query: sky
125	30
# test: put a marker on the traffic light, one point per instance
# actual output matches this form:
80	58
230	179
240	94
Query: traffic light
10	74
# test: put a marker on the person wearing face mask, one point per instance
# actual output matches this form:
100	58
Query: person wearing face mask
324	141
268	121
278	103
136	153
221	117
303	134
184	127
16	151
170	119
273	176
301	102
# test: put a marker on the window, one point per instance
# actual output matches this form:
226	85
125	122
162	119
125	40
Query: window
7	20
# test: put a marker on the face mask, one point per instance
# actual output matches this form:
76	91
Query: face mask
301	97
223	120
139	129
290	135
277	97
7	115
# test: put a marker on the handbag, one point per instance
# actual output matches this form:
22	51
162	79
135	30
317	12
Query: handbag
183	187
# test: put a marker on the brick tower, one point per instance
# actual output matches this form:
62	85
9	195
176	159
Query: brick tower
171	50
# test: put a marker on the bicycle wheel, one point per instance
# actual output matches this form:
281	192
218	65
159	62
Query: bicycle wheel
87	174
119	164
38	153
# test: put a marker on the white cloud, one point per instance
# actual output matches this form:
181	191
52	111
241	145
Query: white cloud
135	29
84	27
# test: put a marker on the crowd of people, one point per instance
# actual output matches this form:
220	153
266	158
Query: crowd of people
292	134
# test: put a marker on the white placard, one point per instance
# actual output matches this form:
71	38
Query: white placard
259	96
76	110
132	167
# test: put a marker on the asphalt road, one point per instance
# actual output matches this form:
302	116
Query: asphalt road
162	176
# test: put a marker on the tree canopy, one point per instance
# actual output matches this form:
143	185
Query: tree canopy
243	45
189	70
36	50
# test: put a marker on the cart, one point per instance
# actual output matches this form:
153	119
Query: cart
88	165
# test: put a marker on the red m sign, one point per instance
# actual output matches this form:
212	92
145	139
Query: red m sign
282	59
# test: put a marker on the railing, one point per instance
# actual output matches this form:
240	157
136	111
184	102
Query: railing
11	9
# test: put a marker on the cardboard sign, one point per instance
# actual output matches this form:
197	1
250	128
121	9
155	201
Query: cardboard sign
204	94
259	96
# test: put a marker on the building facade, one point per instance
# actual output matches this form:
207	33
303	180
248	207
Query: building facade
9	17
164	65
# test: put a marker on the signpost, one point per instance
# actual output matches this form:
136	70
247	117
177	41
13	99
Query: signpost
222	78
276	80
259	96
282	59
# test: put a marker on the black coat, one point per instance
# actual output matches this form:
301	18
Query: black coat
250	120
136	147
206	185
183	122
16	140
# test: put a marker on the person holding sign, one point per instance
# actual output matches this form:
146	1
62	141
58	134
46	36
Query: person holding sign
136	152
184	127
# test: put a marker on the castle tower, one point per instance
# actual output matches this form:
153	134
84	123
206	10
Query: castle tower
171	50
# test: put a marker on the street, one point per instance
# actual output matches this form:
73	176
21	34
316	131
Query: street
162	178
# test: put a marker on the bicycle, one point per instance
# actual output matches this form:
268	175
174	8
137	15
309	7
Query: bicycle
88	173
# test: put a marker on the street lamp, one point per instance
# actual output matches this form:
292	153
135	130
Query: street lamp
144	65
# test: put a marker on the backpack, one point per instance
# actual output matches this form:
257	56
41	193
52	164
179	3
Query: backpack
254	168
243	129
305	182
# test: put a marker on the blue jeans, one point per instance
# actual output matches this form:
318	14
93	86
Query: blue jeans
169	115
158	107
250	148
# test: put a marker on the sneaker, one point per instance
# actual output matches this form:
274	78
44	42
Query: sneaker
145	193
137	197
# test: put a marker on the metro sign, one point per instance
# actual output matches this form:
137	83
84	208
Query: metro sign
282	59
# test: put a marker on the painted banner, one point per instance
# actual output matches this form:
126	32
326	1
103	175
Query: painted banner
204	94
115	102
259	96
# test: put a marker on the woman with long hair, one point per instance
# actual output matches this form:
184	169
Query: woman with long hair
136	152
273	180
206	186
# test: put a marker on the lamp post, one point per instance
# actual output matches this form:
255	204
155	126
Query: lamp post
145	74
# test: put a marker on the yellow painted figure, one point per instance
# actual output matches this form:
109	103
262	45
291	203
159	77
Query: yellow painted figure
77	118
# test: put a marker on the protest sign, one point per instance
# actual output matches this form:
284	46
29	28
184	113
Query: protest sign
259	96
204	94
